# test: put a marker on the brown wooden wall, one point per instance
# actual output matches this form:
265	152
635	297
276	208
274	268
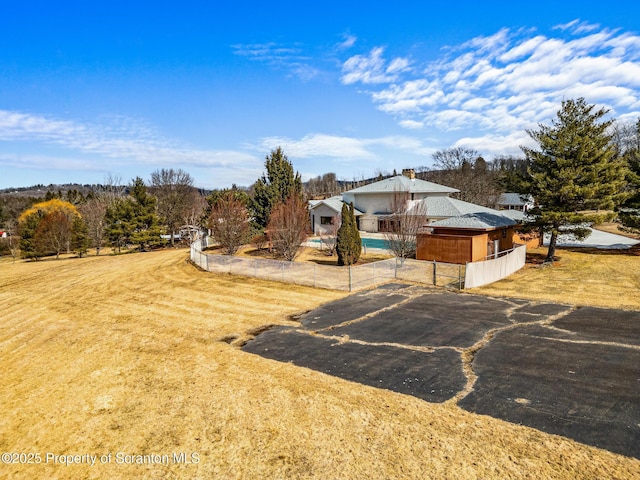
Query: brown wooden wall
451	248
452	245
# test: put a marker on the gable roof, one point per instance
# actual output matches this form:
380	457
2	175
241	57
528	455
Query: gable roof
476	221
334	203
400	183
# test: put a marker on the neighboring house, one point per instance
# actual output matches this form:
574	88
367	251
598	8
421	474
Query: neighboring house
515	201
325	215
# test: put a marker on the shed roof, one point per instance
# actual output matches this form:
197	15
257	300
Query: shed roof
400	183
476	221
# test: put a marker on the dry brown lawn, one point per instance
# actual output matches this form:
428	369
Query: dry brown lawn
305	254
580	276
130	355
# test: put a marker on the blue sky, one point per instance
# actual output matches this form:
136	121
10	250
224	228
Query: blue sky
91	89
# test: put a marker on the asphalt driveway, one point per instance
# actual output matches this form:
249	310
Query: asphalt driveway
563	370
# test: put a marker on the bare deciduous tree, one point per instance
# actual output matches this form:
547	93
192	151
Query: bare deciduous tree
465	169
288	226
54	232
229	222
113	188
328	239
401	226
192	222
174	191
323	186
93	211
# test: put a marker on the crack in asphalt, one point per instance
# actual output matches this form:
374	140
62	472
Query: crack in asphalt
469	354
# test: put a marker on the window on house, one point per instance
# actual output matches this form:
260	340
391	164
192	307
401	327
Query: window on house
326	220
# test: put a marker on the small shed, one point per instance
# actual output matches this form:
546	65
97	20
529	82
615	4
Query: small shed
467	238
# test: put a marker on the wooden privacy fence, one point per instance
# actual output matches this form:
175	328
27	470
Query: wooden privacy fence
349	278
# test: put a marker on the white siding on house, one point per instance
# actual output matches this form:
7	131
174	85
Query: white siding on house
317	213
371	203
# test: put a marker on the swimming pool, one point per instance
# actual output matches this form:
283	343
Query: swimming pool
367	242
375	243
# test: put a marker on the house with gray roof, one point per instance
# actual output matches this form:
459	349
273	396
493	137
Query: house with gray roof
515	201
376	201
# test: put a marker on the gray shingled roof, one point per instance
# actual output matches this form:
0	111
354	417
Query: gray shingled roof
335	203
436	207
514	199
476	221
401	183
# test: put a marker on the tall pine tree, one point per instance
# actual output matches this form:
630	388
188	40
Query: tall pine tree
574	170
277	184
629	213
133	219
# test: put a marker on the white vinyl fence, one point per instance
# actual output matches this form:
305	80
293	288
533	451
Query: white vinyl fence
348	278
489	271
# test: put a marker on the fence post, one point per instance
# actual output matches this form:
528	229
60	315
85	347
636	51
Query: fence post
459	277
282	264
350	279
435	281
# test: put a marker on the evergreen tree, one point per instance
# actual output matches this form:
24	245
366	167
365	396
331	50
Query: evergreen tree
629	213
27	231
79	236
275	186
133	219
574	170
119	222
348	242
147	228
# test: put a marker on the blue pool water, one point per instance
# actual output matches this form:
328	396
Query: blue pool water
375	243
368	242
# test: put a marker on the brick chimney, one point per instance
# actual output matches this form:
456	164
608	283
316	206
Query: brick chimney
409	173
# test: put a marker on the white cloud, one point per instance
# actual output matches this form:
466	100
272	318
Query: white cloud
347	42
411	124
319	145
121	141
348	149
506	81
288	57
577	26
372	68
